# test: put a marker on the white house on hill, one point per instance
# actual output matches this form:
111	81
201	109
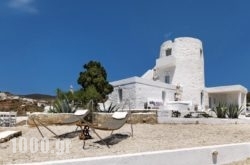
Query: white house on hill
176	79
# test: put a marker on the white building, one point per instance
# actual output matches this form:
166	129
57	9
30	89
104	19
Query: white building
178	77
3	96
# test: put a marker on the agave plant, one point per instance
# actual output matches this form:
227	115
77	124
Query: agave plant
63	106
220	110
234	111
111	108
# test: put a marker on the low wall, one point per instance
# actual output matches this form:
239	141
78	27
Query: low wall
136	117
48	118
57	118
150	117
169	120
220	154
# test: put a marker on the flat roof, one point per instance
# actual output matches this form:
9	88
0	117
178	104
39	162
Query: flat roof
139	80
226	89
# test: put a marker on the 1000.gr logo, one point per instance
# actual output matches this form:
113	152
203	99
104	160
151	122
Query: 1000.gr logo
33	145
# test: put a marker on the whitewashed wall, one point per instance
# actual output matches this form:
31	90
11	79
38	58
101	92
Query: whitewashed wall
189	70
228	98
185	66
208	155
138	90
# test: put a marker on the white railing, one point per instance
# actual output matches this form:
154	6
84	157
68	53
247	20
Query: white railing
8	119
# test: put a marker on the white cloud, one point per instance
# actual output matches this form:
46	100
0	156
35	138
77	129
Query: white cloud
23	5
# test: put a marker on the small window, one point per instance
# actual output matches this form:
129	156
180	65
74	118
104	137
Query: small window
168	52
163	95
210	102
167	79
202	98
175	97
120	95
201	52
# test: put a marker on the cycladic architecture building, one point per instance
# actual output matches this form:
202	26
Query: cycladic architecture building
177	82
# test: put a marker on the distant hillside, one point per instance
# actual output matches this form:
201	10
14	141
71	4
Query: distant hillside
37	96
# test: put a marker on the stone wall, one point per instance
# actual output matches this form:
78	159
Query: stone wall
49	118
149	117
58	118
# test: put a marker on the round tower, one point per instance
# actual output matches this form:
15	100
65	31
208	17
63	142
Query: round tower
182	63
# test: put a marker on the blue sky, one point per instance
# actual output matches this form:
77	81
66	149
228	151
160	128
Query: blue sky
44	43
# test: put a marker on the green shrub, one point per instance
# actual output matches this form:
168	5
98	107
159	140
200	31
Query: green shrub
220	110
234	111
205	115
110	109
62	105
176	114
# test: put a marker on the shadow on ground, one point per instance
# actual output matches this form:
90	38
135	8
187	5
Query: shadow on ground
110	140
72	134
113	139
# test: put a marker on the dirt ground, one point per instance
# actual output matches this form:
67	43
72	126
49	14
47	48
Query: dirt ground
30	147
